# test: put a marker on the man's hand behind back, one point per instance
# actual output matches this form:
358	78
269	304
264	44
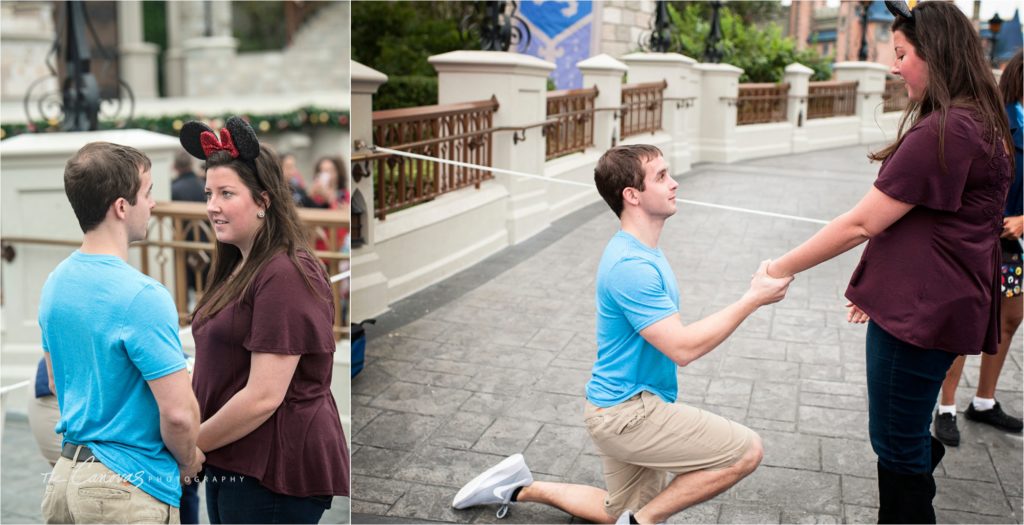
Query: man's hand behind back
188	472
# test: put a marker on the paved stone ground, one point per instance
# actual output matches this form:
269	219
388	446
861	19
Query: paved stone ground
494	360
22	473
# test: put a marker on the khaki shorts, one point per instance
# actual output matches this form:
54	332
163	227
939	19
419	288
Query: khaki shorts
643	439
43	415
89	492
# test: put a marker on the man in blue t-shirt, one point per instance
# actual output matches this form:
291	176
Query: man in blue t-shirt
639	431
110	340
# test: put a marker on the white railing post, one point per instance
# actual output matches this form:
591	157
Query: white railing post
369	295
519	83
680	93
870	78
719	91
606	73
798	76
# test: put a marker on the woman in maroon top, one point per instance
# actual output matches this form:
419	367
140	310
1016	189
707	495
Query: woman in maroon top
275	450
928	277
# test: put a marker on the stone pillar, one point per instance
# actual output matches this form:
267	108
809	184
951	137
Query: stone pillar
207	63
138	58
719	90
870	88
606	73
677	71
174	66
27	33
369	292
201	50
519	83
799	77
33	204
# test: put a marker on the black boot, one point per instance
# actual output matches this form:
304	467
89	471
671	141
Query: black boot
938	451
889	496
906	498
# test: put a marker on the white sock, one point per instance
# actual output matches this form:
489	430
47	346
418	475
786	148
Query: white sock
947	409
981	403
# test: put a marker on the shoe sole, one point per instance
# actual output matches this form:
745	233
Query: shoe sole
508	466
948	443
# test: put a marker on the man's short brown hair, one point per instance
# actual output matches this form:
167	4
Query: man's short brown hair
99	174
622	167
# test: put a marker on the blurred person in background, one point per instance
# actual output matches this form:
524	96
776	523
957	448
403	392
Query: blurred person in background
327	190
297	186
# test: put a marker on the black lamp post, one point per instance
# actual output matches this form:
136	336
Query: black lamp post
81	92
661	36
862	55
712	54
994	25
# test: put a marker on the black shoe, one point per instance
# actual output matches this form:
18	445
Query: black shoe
946	431
995	417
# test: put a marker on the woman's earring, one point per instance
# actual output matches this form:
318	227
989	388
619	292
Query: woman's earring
261	214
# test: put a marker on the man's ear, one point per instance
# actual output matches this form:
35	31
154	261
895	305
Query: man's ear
631	195
120	208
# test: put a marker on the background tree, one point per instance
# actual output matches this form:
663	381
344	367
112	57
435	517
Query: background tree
759	49
396	38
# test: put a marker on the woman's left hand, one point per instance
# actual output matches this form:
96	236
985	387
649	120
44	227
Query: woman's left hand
1013	227
856	315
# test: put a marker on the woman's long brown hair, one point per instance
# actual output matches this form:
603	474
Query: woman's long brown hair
281	231
958	75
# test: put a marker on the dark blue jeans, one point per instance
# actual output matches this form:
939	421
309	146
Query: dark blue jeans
903	384
233	498
189	508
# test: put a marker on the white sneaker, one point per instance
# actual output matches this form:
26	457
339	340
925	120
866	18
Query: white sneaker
623	518
495	485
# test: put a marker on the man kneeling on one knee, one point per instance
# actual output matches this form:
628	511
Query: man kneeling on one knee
639	430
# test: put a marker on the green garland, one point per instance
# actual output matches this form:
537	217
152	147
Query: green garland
300	119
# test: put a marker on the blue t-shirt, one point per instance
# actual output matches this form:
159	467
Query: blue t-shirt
1015	197
109	329
635	289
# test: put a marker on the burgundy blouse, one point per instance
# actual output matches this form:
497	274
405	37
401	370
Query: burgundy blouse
931	279
300	451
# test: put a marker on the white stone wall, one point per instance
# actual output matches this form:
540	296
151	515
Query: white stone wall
621	23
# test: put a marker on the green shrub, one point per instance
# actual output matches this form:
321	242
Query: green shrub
762	52
406	92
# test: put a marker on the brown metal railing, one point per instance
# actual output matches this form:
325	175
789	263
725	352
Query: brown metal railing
895	96
761	103
574	131
460	132
831	99
176	252
641	107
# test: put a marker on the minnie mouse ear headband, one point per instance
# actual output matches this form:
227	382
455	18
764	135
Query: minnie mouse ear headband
236	137
900	8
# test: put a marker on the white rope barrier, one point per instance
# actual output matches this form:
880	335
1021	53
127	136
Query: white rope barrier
590	186
341	276
11	388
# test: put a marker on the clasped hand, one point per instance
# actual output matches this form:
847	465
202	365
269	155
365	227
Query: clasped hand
188	472
765	289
